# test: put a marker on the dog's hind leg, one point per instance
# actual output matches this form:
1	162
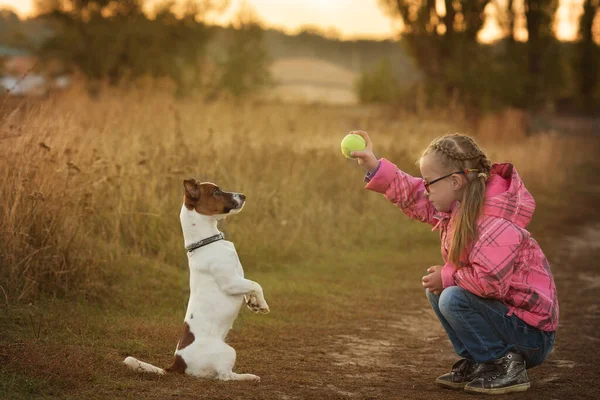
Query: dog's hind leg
232	376
226	361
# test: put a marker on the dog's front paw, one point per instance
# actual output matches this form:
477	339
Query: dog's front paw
264	308
252	303
255	305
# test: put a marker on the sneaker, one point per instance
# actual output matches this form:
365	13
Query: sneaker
463	372
508	375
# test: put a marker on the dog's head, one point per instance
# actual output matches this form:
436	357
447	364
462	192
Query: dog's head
208	199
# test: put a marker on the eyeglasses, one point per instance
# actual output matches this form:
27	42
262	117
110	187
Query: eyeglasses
463	172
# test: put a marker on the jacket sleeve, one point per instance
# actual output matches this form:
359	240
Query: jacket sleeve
491	261
405	191
448	271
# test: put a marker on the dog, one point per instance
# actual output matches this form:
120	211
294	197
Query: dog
218	288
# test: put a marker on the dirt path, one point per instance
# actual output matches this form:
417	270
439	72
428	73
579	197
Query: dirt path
400	357
396	352
385	345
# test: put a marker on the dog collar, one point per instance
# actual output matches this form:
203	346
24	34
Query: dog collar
204	242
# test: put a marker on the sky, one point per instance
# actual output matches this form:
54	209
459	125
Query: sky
350	19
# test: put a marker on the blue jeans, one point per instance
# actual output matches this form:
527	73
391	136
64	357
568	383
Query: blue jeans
481	330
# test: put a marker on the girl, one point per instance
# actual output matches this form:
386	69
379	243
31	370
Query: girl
495	295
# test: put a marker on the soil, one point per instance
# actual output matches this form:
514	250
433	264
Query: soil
386	345
396	349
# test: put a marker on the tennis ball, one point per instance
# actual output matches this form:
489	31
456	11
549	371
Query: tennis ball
352	142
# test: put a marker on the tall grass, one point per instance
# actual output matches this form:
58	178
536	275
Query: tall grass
85	182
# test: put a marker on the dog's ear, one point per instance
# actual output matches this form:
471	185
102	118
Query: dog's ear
192	189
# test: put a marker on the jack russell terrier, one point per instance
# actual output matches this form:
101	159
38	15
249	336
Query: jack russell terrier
217	287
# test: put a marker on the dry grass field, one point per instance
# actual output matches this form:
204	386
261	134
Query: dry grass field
92	265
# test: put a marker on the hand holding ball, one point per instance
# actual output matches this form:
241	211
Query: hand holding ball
359	143
352	142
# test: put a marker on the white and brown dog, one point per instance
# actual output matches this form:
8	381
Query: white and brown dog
217	287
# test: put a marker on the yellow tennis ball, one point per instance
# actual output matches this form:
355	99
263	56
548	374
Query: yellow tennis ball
352	142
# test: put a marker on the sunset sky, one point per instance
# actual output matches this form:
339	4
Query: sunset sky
349	18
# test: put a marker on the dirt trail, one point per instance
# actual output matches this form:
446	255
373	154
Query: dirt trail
390	346
400	357
396	350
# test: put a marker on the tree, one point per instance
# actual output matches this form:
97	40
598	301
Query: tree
12	30
539	15
246	68
442	43
181	46
116	39
445	46
588	63
89	34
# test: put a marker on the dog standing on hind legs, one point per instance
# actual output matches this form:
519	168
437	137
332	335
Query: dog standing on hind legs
217	287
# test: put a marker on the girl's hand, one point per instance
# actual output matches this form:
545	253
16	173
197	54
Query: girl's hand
365	157
433	281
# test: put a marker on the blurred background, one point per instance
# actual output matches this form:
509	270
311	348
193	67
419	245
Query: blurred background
106	106
487	55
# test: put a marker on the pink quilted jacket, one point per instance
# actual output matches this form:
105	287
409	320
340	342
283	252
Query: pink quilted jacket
505	262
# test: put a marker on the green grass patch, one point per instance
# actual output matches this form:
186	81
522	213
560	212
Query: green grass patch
15	385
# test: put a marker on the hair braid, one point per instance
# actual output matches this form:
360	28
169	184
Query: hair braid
460	152
485	167
449	145
454	152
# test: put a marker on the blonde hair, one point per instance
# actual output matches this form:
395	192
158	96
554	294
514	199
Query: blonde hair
460	152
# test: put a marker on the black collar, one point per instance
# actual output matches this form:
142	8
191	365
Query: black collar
204	242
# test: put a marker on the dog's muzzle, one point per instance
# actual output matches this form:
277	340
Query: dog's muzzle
239	200
236	203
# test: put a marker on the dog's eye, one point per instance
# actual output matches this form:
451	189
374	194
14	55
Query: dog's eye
216	192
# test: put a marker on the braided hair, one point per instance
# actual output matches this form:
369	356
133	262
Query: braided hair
460	152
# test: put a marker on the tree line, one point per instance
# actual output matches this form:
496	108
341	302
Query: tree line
536	74
120	41
117	41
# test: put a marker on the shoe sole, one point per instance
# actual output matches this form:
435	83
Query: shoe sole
516	388
450	385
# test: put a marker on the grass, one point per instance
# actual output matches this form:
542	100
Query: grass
87	182
93	266
64	348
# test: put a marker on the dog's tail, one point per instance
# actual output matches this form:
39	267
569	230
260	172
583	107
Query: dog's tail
141	366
